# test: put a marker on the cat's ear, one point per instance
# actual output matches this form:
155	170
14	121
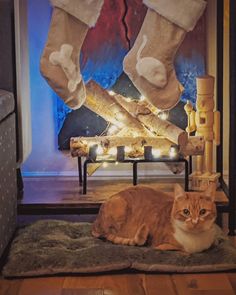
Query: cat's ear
211	192
179	192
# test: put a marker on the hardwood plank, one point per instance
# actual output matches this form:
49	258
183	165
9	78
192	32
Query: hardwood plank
10	287
202	284
127	284
62	190
42	286
232	279
159	285
83	292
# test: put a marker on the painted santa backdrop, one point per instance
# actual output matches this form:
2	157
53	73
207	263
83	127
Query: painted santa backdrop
114	34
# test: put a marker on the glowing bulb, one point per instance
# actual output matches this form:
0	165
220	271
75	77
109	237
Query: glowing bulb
128	149
120	124
128	99
99	150
116	163
112	129
163	115
112	151
111	92
173	152
91	143
142	98
119	116
156	153
105	164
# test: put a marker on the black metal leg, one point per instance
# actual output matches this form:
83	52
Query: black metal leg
80	171
190	164
232	221
186	175
85	179
135	173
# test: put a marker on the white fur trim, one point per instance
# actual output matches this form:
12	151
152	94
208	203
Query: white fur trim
183	13
87	11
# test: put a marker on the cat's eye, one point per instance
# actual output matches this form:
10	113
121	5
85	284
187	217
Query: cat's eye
186	212
202	211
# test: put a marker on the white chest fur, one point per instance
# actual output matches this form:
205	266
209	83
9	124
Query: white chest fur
195	242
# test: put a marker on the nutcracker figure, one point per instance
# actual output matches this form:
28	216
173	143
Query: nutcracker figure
206	122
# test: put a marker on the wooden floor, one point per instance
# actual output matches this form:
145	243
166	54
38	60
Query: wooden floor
46	190
67	189
129	284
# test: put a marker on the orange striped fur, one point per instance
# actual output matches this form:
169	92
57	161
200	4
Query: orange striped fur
144	216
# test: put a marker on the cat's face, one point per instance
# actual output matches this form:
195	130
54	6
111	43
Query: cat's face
194	211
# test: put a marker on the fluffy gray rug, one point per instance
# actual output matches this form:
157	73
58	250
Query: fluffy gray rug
51	247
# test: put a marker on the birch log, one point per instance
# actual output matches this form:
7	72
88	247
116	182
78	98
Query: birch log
102	103
142	112
107	145
134	145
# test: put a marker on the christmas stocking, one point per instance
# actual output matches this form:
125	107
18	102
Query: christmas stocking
149	64
59	63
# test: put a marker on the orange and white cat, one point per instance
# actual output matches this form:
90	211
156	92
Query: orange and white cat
141	215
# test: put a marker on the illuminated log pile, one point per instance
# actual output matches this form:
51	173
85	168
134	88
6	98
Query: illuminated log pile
135	124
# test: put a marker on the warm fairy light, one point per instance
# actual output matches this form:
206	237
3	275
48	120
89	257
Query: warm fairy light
116	163
119	116
112	129
112	151
104	164
163	115
111	92
128	149
120	124
91	143
128	99
156	153
99	150
173	152
142	98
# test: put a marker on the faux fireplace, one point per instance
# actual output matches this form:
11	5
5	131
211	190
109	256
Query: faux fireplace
53	162
102	53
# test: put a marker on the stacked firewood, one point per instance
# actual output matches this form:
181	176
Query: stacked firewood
134	124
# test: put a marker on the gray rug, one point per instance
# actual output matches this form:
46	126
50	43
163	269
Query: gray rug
50	247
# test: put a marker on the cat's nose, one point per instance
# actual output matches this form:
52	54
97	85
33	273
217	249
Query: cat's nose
194	221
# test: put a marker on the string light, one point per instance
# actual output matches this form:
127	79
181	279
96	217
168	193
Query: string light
119	116
111	92
112	151
164	115
173	151
156	153
112	129
99	150
128	149
142	98
116	163
120	124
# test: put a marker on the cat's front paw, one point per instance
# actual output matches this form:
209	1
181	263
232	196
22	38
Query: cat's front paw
167	247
